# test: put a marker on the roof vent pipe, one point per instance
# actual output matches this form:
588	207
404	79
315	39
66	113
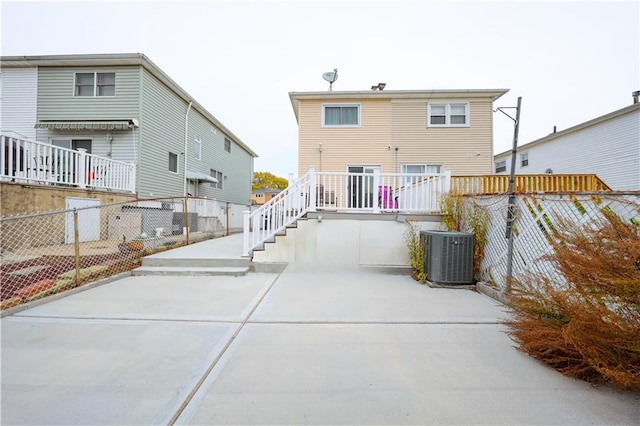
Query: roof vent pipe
636	96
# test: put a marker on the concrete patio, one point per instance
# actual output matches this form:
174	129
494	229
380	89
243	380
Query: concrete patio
313	344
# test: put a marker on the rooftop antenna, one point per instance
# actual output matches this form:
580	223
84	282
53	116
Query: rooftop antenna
331	77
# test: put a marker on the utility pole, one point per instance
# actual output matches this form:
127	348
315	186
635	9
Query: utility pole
512	196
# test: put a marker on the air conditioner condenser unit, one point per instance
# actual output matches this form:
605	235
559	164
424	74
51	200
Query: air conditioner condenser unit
448	256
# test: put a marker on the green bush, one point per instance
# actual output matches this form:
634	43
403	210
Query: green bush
416	251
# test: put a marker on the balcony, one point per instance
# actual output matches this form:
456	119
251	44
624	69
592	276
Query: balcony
32	162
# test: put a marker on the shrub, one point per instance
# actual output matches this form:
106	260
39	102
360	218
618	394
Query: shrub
416	251
588	324
461	215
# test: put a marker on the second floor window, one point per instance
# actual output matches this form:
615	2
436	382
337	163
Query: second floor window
227	145
341	115
524	159
448	114
501	166
95	84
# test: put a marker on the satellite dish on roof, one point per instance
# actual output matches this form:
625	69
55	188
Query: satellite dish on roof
331	77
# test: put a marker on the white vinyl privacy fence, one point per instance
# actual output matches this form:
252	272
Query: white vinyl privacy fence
537	215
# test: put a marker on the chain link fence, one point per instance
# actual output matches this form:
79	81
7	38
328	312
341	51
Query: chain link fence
536	218
47	253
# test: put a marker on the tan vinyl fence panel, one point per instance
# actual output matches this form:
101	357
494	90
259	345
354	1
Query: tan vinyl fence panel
499	184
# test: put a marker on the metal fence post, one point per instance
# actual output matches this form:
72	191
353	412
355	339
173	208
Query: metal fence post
76	241
186	217
512	199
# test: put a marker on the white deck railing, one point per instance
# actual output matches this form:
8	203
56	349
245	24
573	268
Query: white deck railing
344	192
27	161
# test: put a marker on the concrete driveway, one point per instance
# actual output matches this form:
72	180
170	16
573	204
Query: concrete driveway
312	345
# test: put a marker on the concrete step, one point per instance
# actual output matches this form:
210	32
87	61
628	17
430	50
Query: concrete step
191	270
195	262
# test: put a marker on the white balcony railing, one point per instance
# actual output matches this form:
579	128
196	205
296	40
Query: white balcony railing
345	192
29	161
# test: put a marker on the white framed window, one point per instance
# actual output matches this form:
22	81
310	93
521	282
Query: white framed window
421	168
341	115
524	159
218	175
501	166
173	162
227	145
444	114
95	84
197	147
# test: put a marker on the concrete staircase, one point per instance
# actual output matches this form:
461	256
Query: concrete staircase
192	267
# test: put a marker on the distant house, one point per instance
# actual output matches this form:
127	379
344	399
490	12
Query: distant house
418	131
608	146
261	196
123	107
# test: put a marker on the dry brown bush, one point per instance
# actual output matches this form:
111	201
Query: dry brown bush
587	326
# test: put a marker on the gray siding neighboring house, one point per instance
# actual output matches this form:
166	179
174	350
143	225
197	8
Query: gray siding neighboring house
608	146
18	101
149	119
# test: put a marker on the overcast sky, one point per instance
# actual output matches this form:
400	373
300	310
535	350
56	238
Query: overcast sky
570	61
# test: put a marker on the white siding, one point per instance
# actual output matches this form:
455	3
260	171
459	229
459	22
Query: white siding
610	149
19	101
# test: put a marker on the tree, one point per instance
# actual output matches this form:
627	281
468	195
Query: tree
263	180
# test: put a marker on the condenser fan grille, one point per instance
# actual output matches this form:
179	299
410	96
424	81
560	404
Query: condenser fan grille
449	257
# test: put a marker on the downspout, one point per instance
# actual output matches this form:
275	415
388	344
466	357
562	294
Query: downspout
186	144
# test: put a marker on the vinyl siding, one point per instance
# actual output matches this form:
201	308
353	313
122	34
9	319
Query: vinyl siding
162	126
162	122
610	149
235	165
56	100
122	146
160	109
396	123
19	101
454	148
365	145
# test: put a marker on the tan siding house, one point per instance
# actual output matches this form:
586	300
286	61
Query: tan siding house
396	131
261	196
